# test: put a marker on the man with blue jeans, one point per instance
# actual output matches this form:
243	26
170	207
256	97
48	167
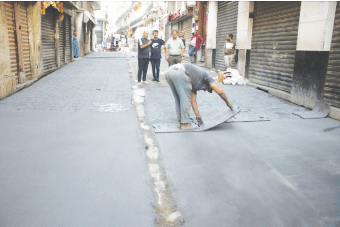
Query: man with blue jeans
155	58
143	57
185	80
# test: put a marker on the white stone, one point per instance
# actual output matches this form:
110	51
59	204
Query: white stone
173	216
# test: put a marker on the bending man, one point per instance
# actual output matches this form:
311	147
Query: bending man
185	80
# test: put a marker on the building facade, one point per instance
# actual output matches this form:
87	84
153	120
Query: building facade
290	49
36	40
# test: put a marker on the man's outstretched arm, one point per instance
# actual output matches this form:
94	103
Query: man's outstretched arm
222	94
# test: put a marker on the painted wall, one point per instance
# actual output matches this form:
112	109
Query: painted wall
7	80
4	43
34	29
211	33
312	54
316	26
80	32
244	35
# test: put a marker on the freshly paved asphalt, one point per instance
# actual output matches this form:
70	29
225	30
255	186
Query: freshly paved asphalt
71	154
71	151
282	172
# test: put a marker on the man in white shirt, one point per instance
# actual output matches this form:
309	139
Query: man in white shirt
229	51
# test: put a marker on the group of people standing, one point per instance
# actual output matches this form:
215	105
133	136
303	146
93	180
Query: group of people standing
151	51
184	79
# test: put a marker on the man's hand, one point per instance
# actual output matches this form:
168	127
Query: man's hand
183	58
149	42
166	58
199	120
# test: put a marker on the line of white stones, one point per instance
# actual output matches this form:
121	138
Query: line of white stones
166	208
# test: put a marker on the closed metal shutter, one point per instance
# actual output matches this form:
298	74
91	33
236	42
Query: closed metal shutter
68	50
48	40
187	24
13	51
174	27
99	35
275	29
226	23
23	24
62	41
332	85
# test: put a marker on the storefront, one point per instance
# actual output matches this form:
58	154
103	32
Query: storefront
183	23
18	36
273	47
226	23
64	40
48	39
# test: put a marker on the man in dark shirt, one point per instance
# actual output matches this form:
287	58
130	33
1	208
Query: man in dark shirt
143	57
182	37
185	80
157	46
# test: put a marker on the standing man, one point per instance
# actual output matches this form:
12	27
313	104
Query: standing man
196	41
108	42
185	80
143	57
182	36
229	51
174	49
112	42
130	42
155	58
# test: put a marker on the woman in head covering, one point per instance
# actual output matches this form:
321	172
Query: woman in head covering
75	45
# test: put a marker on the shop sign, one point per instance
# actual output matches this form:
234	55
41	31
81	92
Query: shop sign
175	15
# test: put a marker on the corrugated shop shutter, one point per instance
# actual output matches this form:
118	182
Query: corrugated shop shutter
48	39
99	35
62	41
332	85
187	24
23	23
9	6
275	29
226	23
68	36
174	27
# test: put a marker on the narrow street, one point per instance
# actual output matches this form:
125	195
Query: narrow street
71	153
76	151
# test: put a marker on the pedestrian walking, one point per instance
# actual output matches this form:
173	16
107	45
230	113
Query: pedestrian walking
157	46
143	57
182	37
185	79
108	42
112	41
229	51
174	49
75	45
130	43
196	41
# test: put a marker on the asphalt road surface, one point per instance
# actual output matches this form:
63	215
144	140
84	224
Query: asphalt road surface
74	151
